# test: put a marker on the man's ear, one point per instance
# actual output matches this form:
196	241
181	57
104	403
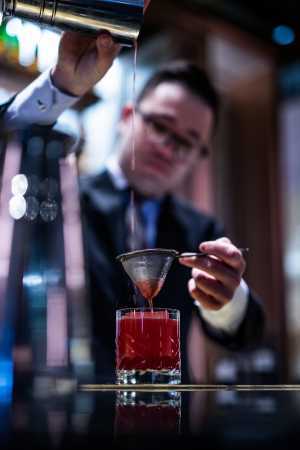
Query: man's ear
126	115
127	112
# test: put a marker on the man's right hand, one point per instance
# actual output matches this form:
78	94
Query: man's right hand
83	61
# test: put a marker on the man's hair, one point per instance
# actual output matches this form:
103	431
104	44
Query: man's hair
191	77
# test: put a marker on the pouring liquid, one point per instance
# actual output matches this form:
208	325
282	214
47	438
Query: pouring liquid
148	288
132	206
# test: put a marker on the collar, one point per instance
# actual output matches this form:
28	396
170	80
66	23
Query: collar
118	177
120	183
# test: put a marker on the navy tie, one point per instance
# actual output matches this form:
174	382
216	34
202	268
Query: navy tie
135	226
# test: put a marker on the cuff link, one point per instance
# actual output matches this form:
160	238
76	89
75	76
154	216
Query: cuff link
41	105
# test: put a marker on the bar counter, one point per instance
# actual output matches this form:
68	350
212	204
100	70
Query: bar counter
59	413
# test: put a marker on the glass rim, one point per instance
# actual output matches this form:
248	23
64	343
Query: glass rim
148	251
147	308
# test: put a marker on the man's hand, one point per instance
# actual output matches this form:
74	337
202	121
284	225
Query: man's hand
215	277
83	61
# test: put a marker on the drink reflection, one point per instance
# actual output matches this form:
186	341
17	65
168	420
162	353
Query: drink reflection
147	413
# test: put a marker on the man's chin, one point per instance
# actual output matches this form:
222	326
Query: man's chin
156	173
151	190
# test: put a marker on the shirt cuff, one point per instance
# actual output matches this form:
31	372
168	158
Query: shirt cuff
231	315
40	103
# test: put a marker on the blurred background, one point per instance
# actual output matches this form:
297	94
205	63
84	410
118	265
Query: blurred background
251	51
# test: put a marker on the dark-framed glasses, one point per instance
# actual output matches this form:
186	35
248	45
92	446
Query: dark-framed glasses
161	134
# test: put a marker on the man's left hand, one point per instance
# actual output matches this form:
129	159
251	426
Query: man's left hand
215	277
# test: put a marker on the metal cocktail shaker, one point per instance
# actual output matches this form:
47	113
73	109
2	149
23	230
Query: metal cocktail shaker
122	18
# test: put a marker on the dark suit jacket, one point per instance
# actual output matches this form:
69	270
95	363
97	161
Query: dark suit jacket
180	227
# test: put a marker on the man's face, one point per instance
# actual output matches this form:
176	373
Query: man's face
170	127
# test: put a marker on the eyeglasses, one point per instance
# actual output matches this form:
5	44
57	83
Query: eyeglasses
159	133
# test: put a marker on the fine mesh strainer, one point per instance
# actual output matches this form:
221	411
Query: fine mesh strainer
148	269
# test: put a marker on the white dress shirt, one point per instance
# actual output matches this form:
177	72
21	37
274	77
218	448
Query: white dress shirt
41	103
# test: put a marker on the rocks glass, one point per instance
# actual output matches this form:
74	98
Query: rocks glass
148	346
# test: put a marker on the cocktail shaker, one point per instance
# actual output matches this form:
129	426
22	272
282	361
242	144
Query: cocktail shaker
122	18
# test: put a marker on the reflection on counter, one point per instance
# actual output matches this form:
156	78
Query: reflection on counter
147	412
55	414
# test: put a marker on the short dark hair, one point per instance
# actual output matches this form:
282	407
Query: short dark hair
189	75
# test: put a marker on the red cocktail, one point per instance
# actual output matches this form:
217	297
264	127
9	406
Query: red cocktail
148	345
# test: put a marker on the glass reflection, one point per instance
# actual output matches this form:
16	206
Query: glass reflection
19	184
17	207
147	413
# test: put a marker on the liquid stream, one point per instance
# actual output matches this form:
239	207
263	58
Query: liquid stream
148	288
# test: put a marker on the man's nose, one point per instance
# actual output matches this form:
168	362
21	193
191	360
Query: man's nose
167	147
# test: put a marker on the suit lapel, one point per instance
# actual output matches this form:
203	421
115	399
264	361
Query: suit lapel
107	203
173	226
104	208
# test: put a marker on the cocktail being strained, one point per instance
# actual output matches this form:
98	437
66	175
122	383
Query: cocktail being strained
148	346
148	339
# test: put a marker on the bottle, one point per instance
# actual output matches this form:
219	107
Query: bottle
122	18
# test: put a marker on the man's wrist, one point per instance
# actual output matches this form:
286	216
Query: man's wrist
60	81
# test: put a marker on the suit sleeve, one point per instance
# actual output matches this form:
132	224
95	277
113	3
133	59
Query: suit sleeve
5	106
40	103
250	332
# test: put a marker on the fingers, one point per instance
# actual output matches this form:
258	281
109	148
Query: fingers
221	250
226	251
106	43
215	277
216	268
83	61
73	44
107	51
222	292
207	301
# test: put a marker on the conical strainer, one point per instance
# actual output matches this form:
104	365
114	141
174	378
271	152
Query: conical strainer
148	269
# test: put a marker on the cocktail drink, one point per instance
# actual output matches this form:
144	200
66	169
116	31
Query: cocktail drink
148	346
